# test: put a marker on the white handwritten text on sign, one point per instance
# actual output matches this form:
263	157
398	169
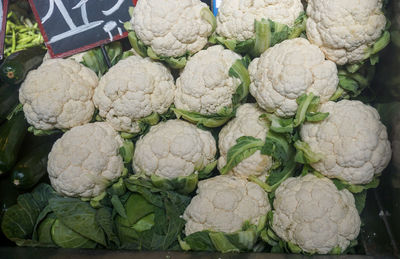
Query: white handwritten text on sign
71	26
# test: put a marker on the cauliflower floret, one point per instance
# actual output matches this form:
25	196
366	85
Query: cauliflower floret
58	95
313	214
235	19
286	71
171	27
352	141
172	149
345	29
246	123
85	160
133	89
224	203
205	85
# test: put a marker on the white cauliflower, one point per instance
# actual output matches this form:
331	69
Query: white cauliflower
235	19
174	149
85	160
133	89
172	27
288	70
58	95
246	123
204	85
224	203
313	214
352	141
345	29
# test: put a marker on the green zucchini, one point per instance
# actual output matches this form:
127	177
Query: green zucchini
16	66
12	135
8	100
31	168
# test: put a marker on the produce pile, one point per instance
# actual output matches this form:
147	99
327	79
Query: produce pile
243	132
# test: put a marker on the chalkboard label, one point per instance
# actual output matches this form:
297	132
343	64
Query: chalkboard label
3	19
72	26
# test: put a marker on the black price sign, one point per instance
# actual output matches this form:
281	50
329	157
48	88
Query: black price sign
72	26
3	19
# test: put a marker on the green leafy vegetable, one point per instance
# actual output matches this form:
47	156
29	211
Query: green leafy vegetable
153	217
244	148
184	185
239	241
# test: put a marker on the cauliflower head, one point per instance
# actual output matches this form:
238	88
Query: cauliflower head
286	71
345	29
172	27
58	95
235	19
174	149
246	123
352	141
85	160
205	86
133	89
313	214
224	203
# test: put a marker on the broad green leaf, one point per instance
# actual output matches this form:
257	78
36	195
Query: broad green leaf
65	237
19	220
118	207
44	230
360	199
381	43
244	47
182	185
145	223
221	243
280	32
206	171
277	124
244	148
243	240
299	26
277	146
126	151
105	221
210	121
200	241
79	216
294	248
136	208
176	63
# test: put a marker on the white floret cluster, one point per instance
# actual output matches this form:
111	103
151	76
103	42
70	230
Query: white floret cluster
309	211
224	203
312	213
